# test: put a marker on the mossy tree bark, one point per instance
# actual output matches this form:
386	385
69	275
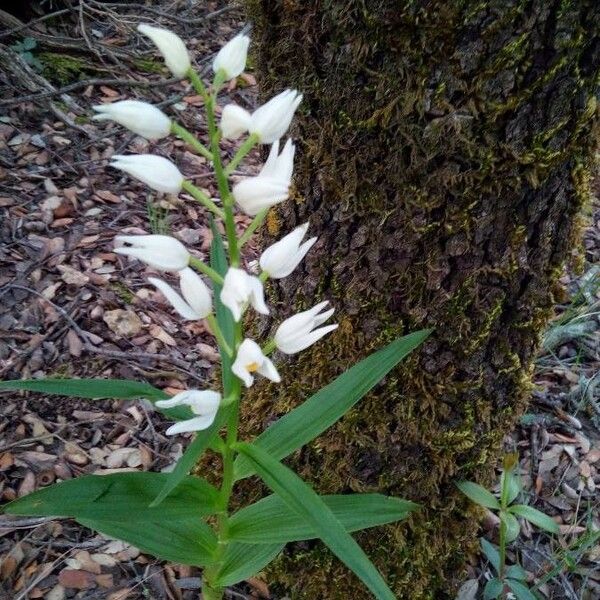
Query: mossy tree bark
446	150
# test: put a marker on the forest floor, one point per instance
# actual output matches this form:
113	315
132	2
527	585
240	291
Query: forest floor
70	307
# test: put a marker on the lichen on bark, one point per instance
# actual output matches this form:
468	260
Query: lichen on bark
446	150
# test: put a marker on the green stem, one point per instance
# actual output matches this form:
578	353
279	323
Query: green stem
224	192
204	268
502	550
211	592
256	223
199	195
216	331
263	276
189	138
241	153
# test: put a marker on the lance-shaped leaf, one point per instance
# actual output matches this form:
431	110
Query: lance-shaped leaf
271	521
330	403
98	389
186	541
118	505
536	517
118	497
190	457
302	499
241	561
478	494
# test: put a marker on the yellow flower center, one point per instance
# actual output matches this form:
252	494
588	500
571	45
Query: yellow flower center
253	366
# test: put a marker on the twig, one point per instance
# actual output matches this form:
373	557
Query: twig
19	28
85	83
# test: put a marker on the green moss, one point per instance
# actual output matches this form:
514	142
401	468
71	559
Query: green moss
63	68
435	158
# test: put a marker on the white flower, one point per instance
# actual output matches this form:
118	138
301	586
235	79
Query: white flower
298	332
280	166
196	302
239	288
232	56
271	185
282	257
155	171
140	117
234	121
204	403
162	252
250	359
171	46
271	120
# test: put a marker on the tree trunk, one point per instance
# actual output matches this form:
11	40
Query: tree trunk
446	150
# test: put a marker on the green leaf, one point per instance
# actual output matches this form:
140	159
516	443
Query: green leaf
271	521
491	553
536	517
301	498
191	455
330	403
516	572
218	261
186	541
244	560
512	526
492	589
521	591
119	497
510	486
97	389
478	494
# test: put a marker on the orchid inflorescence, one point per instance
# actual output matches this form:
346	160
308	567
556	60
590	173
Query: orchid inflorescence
253	195
197	524
180	516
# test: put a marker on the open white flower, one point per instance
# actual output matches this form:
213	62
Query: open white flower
250	359
171	46
239	288
204	403
155	171
271	185
282	257
271	120
196	302
234	121
231	58
162	252
140	117
298	332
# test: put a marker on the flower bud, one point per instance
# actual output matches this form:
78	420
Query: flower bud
271	120
231	58
204	403
161	252
196	302
171	46
298	332
234	121
282	257
271	185
155	171
250	359
239	288
140	117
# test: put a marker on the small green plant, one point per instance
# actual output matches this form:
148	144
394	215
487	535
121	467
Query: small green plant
511	578
24	49
157	217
